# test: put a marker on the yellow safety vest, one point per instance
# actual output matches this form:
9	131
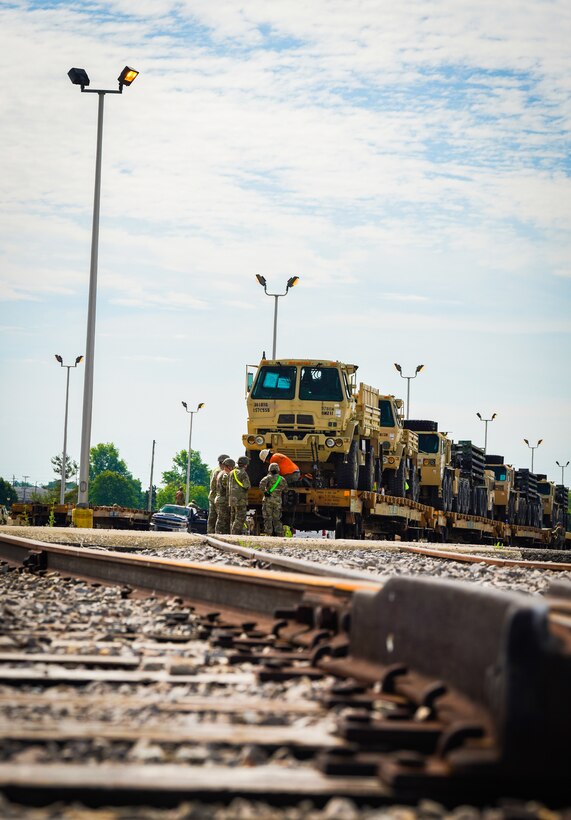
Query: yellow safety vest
236	479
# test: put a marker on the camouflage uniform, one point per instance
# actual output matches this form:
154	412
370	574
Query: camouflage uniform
238	486
211	526
272	502
221	500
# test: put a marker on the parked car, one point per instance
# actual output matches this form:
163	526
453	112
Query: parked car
174	518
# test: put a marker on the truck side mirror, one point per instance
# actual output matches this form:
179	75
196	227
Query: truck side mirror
249	381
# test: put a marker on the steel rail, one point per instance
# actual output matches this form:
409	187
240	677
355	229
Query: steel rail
483	559
260	591
295	564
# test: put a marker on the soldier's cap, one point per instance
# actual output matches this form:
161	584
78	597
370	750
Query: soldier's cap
223	457
229	462
243	461
274	468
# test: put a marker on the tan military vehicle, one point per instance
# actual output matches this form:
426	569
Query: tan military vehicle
550	494
339	434
505	493
440	484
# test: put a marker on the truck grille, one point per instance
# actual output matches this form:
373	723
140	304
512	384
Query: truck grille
289	418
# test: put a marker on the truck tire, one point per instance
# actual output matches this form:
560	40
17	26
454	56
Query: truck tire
256	470
367	472
413	491
421	425
347	472
395	481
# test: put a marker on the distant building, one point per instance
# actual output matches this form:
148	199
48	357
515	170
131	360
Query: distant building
26	493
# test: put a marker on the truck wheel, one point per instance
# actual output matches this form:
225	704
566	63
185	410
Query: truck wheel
367	472
413	491
395	483
347	472
256	470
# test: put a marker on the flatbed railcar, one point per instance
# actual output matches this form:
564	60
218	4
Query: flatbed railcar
356	514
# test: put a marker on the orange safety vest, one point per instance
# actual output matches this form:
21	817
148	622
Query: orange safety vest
286	465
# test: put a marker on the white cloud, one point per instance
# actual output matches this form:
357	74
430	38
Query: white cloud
391	155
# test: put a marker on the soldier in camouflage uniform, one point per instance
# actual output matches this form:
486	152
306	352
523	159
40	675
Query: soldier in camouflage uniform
221	500
238	486
211	526
272	486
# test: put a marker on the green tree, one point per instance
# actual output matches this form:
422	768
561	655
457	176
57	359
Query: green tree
110	487
199	471
71	467
105	458
198	493
8	494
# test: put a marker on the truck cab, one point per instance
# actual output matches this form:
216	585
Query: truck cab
304	409
343	435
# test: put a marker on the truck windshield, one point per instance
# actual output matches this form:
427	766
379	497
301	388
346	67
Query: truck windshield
320	384
499	472
543	489
387	415
428	443
275	382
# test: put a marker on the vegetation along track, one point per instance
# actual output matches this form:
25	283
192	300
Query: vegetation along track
122	675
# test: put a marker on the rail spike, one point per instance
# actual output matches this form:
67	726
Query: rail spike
501	658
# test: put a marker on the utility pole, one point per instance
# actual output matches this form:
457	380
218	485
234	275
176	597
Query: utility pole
150	504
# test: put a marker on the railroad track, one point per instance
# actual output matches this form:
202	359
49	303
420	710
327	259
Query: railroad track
122	675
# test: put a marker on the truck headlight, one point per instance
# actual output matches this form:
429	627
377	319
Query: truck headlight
251	439
259	439
330	442
339	442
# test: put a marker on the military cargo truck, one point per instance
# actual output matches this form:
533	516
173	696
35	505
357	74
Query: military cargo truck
340	434
470	460
505	494
441	486
554	502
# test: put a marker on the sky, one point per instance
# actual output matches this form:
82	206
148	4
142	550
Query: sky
408	161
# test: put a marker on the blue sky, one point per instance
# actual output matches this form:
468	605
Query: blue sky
409	162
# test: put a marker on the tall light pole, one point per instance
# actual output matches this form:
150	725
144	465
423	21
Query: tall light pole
291	283
486	429
78	76
64	455
408	378
533	448
563	466
191	412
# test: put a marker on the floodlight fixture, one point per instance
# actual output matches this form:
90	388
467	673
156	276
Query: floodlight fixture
486	421
533	448
78	76
191	413
68	367
291	283
408	378
127	76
